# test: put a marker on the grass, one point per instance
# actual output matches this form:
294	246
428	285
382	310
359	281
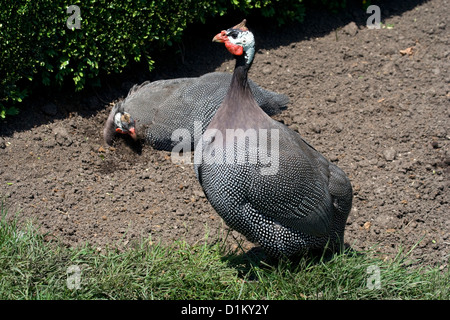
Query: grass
32	268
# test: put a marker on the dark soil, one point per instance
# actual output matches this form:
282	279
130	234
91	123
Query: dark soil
381	115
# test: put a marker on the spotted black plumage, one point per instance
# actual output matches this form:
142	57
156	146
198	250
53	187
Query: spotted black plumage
300	201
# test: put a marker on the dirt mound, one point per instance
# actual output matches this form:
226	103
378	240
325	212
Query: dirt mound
374	101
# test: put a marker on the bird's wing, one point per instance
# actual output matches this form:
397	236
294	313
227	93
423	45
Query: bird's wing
298	194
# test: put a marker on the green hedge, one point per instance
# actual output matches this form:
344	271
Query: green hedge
37	47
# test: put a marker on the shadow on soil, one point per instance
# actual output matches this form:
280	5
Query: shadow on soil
246	262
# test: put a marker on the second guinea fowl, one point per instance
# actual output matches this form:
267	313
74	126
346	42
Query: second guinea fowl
153	111
279	192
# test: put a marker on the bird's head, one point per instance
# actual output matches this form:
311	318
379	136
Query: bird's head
238	40
125	124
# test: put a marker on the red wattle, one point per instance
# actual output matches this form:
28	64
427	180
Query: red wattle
234	48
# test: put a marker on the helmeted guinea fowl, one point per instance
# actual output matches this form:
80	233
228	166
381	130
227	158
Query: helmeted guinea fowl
296	201
153	111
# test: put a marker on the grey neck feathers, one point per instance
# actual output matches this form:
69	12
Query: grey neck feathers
239	108
239	81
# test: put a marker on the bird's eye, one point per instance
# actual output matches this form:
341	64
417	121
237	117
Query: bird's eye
233	34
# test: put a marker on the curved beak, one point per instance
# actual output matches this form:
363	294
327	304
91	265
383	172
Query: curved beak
132	133
220	37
